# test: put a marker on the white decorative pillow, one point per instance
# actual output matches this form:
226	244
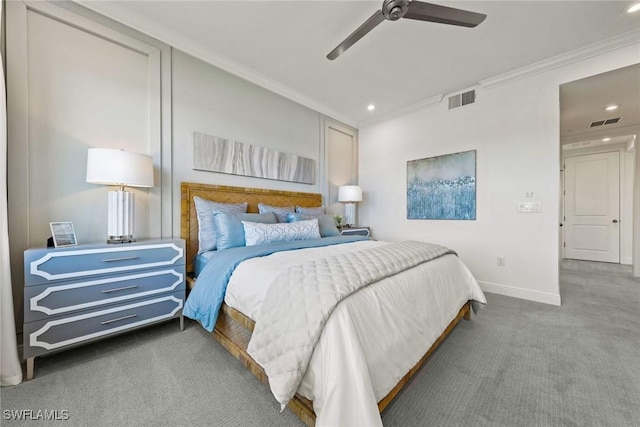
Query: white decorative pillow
259	234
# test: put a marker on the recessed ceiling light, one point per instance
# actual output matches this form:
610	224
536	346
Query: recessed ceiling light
606	139
371	107
611	107
634	8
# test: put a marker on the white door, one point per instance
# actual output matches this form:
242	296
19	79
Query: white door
592	207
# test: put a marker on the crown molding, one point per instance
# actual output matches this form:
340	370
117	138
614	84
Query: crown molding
576	55
176	40
434	100
548	64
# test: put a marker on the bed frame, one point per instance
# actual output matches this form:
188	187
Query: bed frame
233	329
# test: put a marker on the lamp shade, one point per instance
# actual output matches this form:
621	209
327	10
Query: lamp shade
349	193
118	167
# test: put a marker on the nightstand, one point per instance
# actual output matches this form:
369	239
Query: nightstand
74	295
355	231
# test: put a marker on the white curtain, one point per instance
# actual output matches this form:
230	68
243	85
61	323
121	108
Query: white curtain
10	368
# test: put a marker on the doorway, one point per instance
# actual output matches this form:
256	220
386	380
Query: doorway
599	124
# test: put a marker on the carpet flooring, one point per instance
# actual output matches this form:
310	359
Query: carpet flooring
517	363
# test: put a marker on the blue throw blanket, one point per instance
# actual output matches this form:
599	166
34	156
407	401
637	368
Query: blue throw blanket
206	297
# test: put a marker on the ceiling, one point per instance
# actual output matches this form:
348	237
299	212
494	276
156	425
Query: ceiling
583	102
282	45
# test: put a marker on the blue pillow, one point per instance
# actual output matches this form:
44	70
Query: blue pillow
280	211
229	228
205	211
326	223
310	211
259	234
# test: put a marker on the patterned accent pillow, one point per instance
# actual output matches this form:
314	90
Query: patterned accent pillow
280	211
326	223
259	234
205	211
229	228
310	211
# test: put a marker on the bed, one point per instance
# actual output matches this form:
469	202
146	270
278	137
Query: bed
358	365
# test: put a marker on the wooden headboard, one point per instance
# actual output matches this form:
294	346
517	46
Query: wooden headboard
226	194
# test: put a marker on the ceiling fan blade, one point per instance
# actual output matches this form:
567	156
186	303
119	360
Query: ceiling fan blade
442	14
363	29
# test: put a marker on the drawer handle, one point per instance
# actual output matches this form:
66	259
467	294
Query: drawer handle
106	291
118	319
126	258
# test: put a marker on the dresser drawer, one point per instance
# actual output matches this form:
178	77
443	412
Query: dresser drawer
47	335
60	299
46	265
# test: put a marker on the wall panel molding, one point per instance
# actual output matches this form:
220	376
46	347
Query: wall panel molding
340	164
25	220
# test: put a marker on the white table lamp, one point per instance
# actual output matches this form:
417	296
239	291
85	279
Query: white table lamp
117	167
349	194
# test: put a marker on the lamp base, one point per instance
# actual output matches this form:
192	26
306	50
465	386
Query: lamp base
120	225
121	239
350	214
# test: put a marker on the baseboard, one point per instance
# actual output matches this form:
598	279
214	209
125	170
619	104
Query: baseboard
527	294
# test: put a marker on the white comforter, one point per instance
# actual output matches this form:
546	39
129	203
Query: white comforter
373	337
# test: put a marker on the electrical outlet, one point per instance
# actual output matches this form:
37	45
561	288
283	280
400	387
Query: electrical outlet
502	261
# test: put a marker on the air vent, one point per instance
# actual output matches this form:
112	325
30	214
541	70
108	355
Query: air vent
461	99
604	122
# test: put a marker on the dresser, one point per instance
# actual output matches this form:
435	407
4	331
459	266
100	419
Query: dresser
74	295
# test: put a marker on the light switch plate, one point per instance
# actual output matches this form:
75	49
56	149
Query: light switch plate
529	207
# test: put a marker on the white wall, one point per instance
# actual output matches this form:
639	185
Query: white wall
626	206
515	130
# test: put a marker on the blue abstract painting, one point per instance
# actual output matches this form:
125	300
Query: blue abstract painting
442	187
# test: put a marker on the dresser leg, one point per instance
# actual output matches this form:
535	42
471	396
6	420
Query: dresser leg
30	362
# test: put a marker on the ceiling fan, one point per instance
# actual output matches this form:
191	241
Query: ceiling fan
410	9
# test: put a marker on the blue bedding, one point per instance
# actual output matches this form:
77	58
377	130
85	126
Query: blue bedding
206	297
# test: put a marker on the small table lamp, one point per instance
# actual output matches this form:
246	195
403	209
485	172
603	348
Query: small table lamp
350	194
117	167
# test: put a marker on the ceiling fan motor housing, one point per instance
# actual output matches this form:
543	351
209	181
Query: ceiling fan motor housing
394	9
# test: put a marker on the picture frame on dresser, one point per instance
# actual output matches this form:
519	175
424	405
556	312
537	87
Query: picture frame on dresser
63	234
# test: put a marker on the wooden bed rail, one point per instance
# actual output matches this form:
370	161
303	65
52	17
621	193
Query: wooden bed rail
233	330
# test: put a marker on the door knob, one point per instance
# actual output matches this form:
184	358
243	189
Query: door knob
615	221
